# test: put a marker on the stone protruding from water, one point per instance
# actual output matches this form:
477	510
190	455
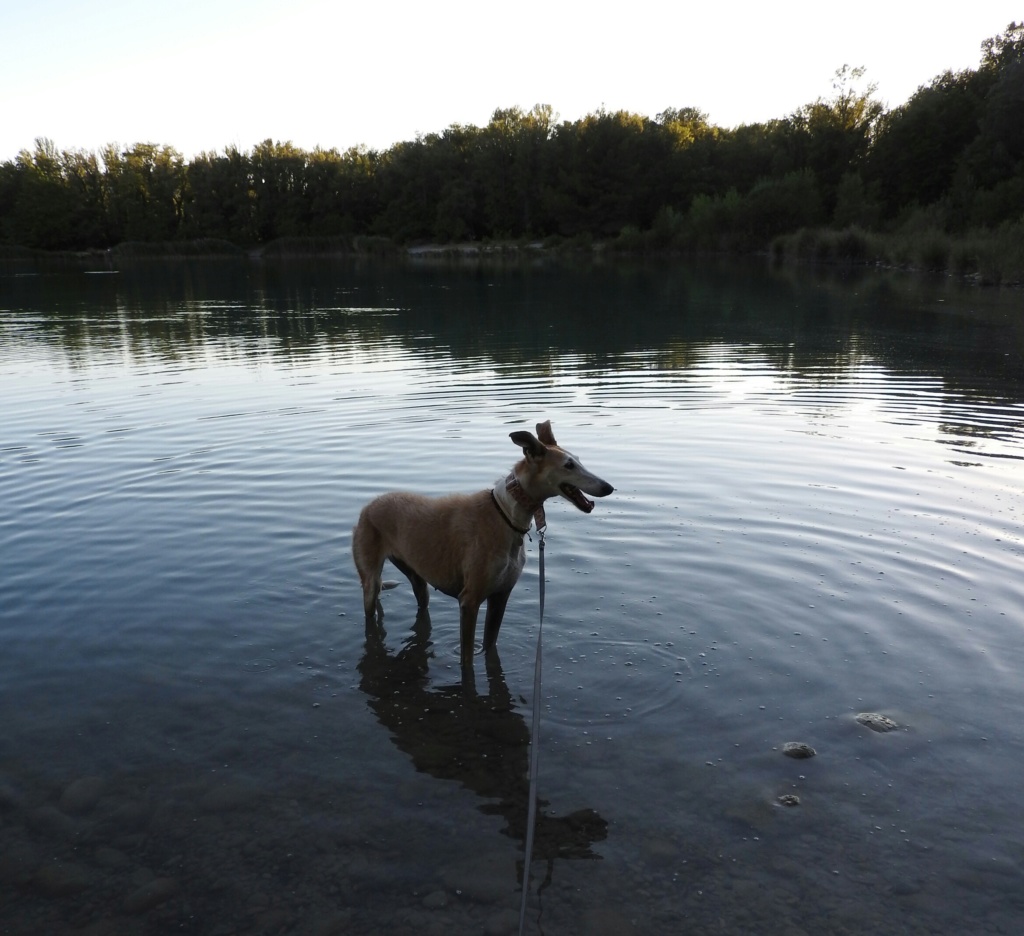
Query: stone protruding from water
876	722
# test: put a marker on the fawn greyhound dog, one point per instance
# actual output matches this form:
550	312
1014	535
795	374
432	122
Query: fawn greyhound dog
470	546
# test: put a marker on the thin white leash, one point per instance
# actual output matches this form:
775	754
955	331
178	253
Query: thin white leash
531	814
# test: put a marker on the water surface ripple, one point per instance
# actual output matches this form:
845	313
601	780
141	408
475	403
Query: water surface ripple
818	513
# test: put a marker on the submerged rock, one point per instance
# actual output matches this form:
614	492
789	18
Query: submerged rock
789	799
112	858
62	879
876	722
227	797
798	750
81	796
150	895
756	813
10	797
51	821
487	879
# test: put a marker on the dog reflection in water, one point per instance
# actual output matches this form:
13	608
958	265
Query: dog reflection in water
453	733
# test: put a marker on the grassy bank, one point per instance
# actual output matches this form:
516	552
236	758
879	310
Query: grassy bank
298	247
203	247
989	256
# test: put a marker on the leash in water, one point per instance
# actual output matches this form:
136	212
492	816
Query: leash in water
531	814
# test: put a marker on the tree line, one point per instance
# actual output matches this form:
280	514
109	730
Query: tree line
951	157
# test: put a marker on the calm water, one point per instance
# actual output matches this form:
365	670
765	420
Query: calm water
819	512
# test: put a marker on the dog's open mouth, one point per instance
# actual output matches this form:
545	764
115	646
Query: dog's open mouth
574	494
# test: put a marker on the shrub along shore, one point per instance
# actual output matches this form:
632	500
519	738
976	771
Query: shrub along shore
986	258
989	257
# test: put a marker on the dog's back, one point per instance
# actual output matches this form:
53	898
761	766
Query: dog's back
444	540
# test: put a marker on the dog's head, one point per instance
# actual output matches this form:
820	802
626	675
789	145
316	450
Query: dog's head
552	470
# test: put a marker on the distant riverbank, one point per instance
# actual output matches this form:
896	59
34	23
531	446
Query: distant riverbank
987	257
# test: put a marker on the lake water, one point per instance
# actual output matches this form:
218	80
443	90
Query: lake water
819	512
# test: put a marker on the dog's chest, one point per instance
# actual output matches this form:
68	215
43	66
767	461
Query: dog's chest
506	569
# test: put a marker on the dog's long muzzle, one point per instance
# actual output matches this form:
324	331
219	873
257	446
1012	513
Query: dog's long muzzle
573	494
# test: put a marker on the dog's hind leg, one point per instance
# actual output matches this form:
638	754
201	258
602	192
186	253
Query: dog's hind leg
419	585
492	620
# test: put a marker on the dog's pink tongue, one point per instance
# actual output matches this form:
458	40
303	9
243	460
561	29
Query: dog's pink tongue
578	498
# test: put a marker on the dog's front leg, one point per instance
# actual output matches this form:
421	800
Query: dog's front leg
469	608
492	620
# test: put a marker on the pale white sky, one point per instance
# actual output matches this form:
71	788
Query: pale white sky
205	74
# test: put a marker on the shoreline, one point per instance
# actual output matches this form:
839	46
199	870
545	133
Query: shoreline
780	254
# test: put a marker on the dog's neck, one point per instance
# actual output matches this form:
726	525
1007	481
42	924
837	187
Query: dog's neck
516	506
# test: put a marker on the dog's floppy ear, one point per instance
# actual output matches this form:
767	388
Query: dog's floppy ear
545	434
531	446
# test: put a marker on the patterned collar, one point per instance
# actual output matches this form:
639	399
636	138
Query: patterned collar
514	489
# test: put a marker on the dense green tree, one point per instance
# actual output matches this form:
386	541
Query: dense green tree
459	212
611	171
412	177
10	194
952	155
831	137
511	170
1004	49
997	153
685	124
358	188
219	199
956	139
741	157
919	145
45	205
856	205
145	192
691	144
279	190
53	200
783	204
322	195
84	179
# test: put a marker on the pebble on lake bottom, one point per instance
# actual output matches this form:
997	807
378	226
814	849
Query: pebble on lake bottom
798	749
150	895
81	796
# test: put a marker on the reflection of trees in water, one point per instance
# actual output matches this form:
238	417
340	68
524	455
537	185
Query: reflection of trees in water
816	324
480	741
